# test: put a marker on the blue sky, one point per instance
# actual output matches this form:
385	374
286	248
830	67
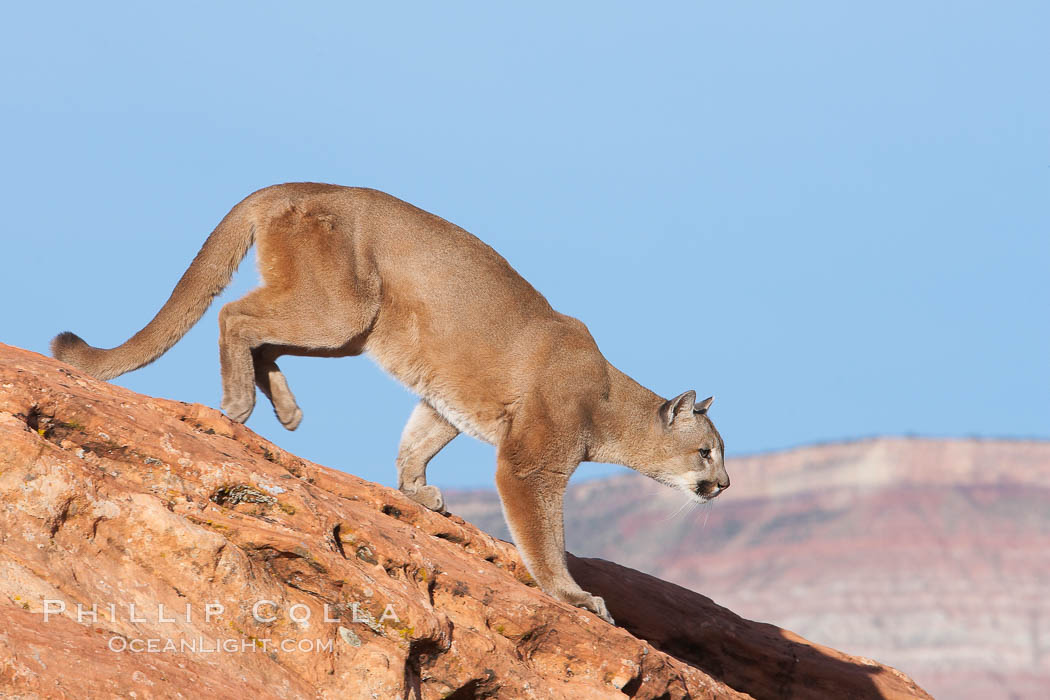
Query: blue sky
834	218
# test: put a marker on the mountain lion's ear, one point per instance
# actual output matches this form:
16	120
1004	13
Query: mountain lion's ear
702	407
682	403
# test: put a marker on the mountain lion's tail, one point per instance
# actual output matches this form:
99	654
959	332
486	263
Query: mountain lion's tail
207	275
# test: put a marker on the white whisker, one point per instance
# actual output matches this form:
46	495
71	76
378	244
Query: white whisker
675	514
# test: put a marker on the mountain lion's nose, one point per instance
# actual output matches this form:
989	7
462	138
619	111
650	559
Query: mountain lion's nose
711	488
723	483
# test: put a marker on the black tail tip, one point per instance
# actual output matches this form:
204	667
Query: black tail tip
65	346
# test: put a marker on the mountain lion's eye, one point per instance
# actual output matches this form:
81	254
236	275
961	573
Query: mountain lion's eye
705	452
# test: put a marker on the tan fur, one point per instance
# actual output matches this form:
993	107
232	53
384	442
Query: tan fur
349	270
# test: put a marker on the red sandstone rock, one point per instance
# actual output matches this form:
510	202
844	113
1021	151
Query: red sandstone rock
111	498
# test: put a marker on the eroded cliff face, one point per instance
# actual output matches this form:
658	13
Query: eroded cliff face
932	555
254	573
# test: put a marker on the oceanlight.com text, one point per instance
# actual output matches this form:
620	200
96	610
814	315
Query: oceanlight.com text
229	645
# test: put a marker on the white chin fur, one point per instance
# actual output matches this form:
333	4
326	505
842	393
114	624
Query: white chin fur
687	483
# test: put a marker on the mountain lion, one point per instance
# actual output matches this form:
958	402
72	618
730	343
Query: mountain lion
350	270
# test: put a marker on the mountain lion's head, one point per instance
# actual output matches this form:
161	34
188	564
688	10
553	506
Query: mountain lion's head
691	454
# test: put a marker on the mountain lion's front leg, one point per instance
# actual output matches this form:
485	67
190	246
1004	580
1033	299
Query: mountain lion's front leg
532	503
423	437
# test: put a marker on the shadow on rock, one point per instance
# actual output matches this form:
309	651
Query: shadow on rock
761	660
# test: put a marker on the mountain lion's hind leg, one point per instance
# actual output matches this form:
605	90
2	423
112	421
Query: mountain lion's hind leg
268	317
423	437
270	379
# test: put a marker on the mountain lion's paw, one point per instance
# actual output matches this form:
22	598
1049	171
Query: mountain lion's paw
428	496
291	419
596	605
238	411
